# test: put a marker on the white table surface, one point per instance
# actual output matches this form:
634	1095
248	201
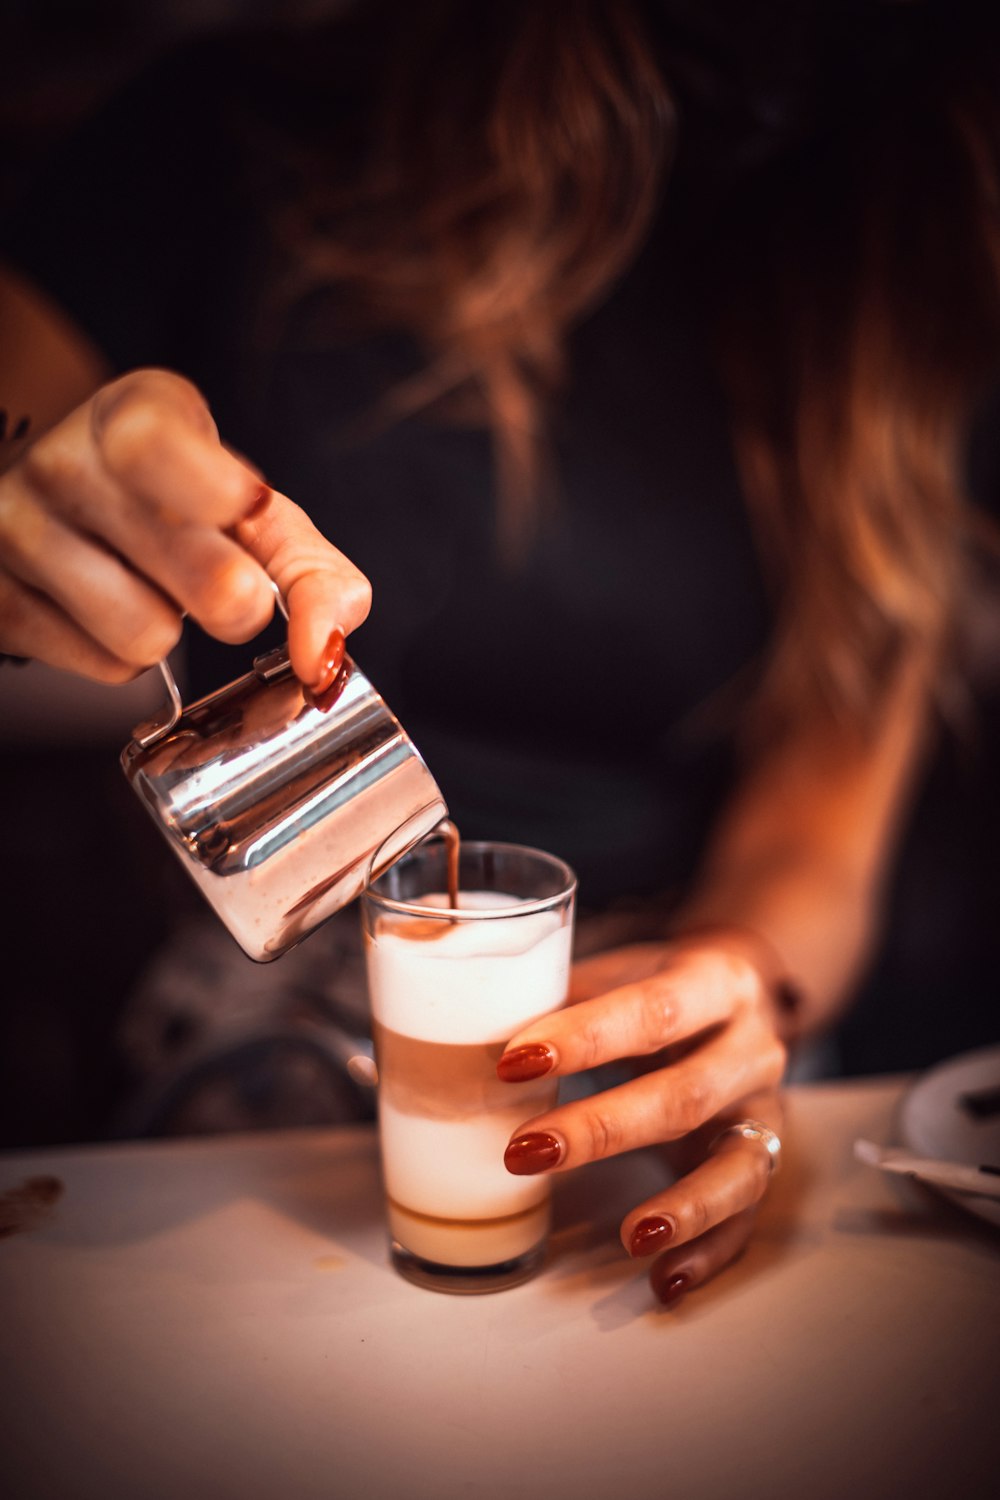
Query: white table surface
218	1319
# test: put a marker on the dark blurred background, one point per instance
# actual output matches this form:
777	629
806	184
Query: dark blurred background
90	893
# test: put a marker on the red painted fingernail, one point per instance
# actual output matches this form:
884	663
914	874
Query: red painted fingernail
673	1289
259	503
524	1063
649	1234
535	1152
333	660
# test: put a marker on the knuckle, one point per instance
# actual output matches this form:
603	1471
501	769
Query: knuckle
660	1013
778	1061
134	427
149	385
697	1216
588	1048
156	380
118	672
605	1132
358	594
741	978
137	415
692	1102
150	643
54	466
234	601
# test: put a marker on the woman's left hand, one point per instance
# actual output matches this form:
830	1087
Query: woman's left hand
698	1017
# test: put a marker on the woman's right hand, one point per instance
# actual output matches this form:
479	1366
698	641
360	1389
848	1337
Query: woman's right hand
130	513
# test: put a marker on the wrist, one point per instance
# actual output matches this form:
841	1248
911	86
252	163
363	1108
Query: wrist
785	995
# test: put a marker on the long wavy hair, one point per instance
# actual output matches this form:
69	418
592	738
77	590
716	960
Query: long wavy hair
514	157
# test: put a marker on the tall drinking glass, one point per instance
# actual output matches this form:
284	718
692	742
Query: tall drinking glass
450	985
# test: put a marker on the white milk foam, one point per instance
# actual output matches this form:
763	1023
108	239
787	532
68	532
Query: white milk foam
476	981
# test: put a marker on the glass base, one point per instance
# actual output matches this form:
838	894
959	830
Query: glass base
466	1280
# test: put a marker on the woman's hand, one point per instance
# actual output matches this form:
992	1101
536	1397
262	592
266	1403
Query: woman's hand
698	1016
130	513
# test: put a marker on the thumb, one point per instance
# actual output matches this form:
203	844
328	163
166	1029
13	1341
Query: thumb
326	595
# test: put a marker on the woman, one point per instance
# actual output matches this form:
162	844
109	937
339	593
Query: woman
601	242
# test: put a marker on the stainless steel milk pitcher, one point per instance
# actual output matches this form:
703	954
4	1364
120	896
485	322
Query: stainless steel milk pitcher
280	805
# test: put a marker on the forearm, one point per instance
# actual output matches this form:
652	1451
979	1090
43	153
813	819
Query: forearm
800	858
810	929
47	365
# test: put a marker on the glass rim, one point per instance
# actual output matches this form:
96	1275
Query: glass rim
517	908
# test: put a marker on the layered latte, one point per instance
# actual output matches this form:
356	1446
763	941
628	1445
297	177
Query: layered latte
446	998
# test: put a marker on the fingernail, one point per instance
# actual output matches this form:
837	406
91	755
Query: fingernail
673	1289
534	1152
333	660
649	1234
259	503
524	1063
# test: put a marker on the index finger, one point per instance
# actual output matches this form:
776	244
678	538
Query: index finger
157	440
324	592
688	994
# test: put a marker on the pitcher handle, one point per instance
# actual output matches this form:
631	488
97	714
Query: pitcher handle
151	730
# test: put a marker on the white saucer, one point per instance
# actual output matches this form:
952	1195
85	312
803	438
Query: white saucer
936	1119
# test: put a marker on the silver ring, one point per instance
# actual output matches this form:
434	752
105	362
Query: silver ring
754	1130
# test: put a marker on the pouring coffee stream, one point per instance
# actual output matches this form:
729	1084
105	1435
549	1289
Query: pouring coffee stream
453	850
